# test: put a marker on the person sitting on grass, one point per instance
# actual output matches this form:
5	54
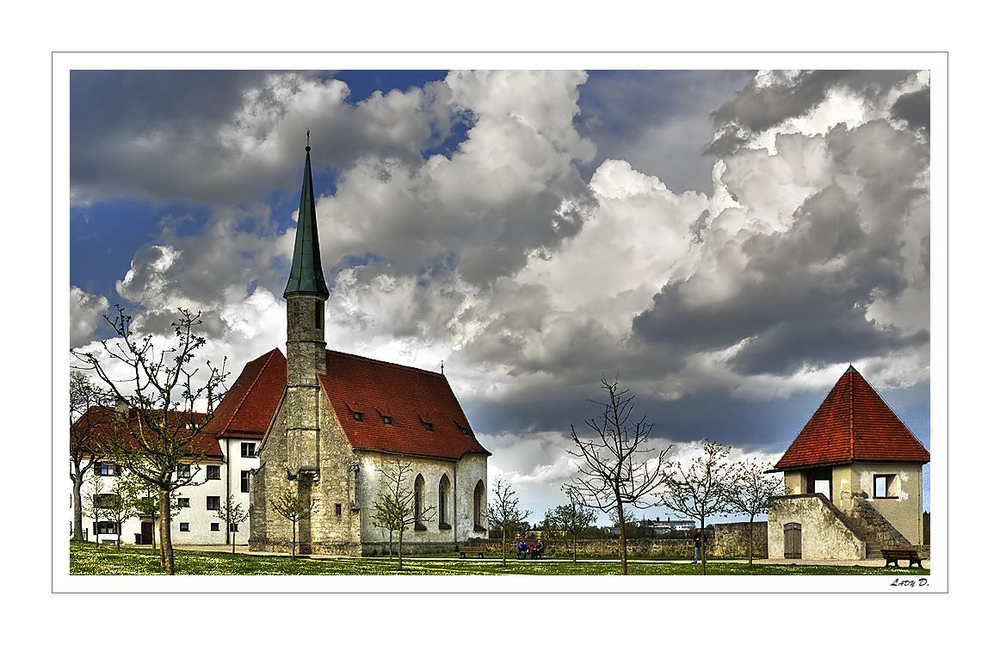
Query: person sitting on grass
537	549
522	550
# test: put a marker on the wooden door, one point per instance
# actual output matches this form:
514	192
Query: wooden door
793	541
146	529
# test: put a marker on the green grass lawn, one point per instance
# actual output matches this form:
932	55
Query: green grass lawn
90	559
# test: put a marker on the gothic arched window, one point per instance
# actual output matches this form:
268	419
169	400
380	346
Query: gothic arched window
418	503
444	502
479	507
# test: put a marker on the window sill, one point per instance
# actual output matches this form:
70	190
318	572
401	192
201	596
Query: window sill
444	527
419	527
478	529
891	497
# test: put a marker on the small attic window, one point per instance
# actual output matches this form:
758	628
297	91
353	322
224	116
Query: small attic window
386	419
464	430
427	425
358	416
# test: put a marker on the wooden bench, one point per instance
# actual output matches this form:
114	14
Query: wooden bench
471	548
893	556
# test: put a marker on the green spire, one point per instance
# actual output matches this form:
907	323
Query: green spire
307	270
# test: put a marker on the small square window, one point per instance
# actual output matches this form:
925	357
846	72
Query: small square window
185	527
215	526
184	470
212	502
247	450
183	502
884	487
213	472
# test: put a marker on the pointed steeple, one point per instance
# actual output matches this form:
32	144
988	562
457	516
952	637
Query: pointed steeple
307	270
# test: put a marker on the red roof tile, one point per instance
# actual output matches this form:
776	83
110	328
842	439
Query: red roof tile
100	426
247	409
852	424
410	396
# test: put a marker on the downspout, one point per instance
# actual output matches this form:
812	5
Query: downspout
228	475
454	502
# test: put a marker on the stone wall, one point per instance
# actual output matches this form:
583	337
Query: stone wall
826	533
733	538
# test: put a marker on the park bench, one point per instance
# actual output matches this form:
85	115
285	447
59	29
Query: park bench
893	556
471	548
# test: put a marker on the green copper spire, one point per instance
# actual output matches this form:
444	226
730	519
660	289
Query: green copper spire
307	270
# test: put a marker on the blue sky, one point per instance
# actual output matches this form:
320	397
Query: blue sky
726	242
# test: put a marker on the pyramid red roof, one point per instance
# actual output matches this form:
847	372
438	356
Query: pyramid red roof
248	407
852	424
426	418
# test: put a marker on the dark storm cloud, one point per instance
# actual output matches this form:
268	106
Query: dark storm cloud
915	109
800	300
224	137
757	108
658	120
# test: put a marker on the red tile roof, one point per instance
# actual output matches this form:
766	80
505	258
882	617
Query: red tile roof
852	424
248	407
410	396
101	426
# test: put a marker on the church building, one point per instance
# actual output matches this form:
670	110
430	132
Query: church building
853	481
337	422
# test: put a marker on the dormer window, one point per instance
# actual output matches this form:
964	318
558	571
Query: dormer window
386	419
427	425
358	416
464	430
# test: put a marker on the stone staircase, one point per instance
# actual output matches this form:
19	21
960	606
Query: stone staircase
876	530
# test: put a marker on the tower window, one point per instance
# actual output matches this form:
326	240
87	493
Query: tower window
319	315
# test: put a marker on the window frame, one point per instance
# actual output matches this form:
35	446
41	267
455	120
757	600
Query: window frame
252	450
184	527
213	469
209	502
890	480
245	481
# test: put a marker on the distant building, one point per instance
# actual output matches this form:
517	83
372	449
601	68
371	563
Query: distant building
668	526
853	478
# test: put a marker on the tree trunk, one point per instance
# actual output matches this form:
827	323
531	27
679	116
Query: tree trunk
78	506
166	545
574	549
503	545
293	539
704	549
750	549
399	549
623	541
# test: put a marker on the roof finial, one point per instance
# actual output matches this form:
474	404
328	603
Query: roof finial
307	141
442	368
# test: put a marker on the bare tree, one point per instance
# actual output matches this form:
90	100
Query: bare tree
700	489
752	492
294	509
84	442
232	513
157	434
396	507
504	514
615	469
571	519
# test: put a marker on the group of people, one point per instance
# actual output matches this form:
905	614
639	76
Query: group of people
532	550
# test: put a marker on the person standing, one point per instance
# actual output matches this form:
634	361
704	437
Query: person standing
697	546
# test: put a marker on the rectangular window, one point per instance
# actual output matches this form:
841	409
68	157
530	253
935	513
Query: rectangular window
183	502
105	528
213	472
883	487
214	526
234	528
185	527
244	481
184	470
105	500
246	449
212	502
107	469
336	509
319	315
